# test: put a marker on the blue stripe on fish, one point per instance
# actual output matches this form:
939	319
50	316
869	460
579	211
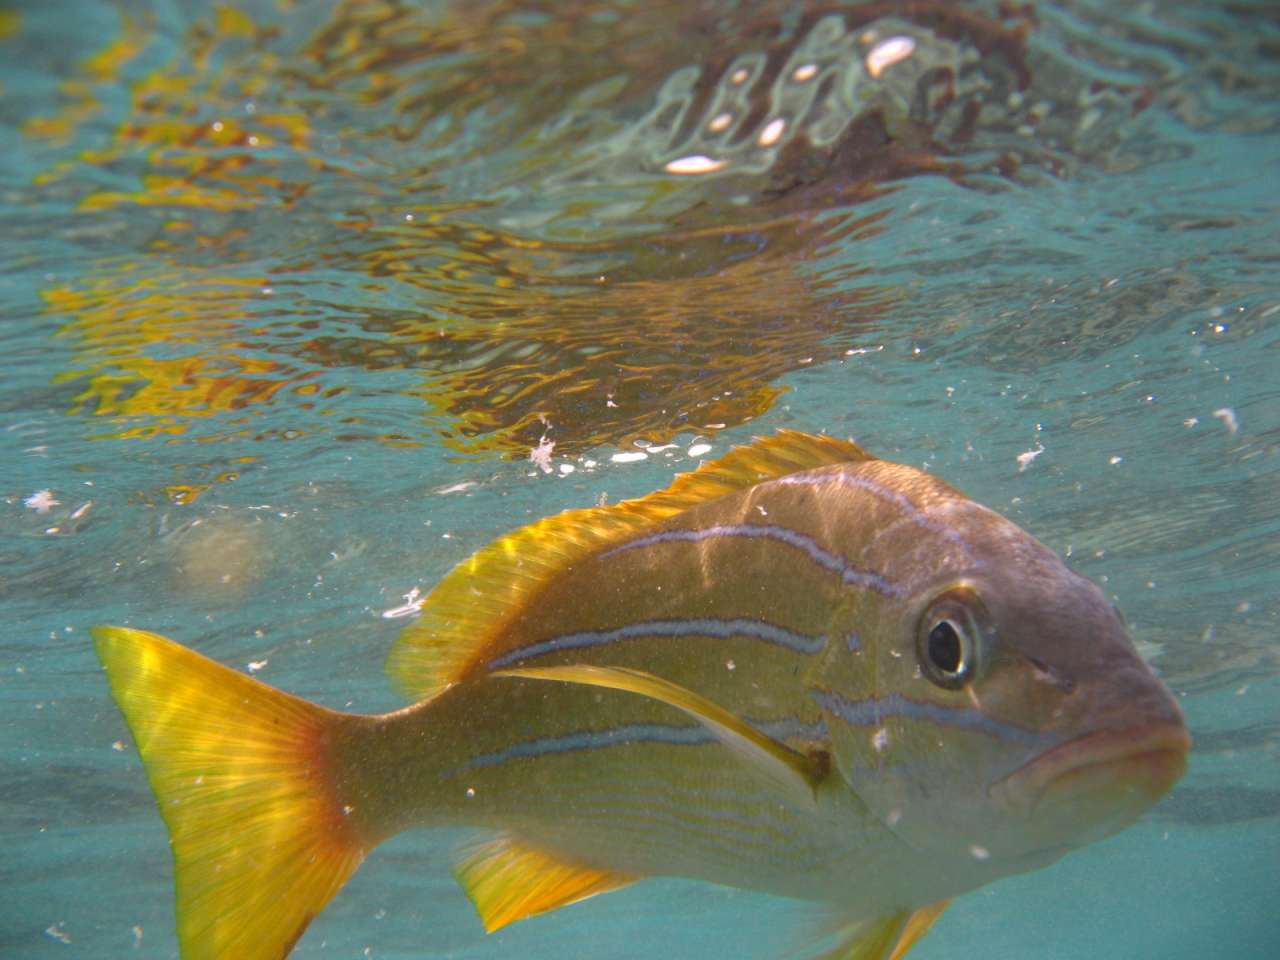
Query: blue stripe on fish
899	500
873	712
699	627
693	735
837	564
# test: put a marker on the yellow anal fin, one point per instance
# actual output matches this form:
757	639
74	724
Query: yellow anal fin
889	937
241	774
508	881
916	927
794	773
465	619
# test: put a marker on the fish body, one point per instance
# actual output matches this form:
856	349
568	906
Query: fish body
799	670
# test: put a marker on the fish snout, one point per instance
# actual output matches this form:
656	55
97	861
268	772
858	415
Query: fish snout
1099	782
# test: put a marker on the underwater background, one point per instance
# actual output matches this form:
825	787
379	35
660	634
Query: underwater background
302	303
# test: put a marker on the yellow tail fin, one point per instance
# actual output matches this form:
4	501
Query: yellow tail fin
242	776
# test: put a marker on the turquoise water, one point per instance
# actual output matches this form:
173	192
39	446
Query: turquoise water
292	290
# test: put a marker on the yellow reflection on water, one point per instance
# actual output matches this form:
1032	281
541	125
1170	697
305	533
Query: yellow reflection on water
507	206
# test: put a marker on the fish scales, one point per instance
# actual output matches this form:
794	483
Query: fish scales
799	670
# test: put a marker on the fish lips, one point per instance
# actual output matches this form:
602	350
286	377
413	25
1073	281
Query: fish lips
1099	781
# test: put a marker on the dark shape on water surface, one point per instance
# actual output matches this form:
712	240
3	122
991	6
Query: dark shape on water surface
251	202
343	223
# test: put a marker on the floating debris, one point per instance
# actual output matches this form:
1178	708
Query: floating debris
1229	419
42	501
1027	457
541	454
413	603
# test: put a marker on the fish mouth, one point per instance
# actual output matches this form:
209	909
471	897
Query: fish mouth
1116	772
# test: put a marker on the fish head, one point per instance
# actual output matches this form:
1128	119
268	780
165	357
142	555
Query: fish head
995	712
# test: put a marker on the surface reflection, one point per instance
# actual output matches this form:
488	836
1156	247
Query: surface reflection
570	221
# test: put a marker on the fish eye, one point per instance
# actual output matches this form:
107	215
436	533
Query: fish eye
946	653
946	643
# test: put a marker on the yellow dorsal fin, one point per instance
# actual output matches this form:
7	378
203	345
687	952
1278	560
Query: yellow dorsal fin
794	773
508	881
472	605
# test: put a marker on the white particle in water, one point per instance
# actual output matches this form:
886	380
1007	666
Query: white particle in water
42	501
413	603
1114	460
630	457
698	449
256	665
471	792
888	52
1027	457
805	72
55	932
720	122
880	740
117	745
457	487
979	853
772	133
695	163
1228	418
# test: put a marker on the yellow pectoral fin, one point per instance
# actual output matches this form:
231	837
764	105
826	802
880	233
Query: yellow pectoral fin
508	881
889	937
794	773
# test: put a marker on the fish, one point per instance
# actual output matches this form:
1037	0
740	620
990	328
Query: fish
799	669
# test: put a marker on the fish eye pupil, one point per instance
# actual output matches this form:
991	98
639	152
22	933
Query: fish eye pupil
945	650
